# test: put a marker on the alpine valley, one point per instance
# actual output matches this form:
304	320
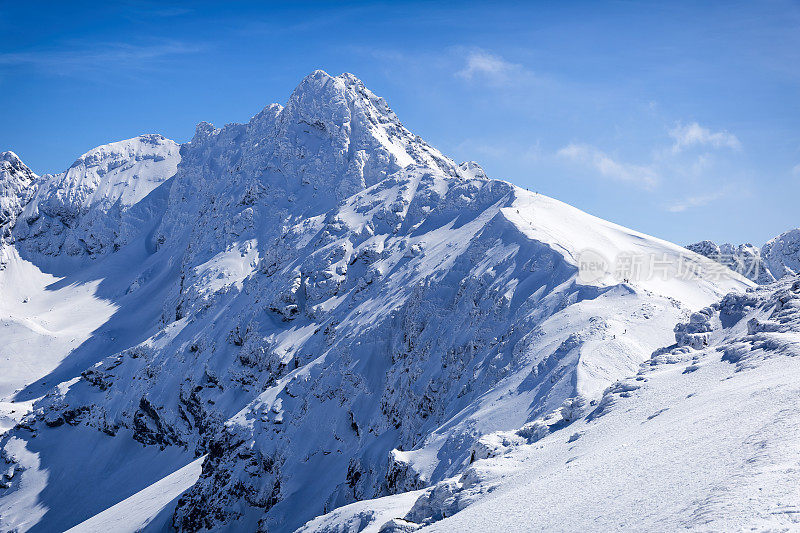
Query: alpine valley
316	321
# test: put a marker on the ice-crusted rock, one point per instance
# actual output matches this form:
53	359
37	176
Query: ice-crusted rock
400	475
500	442
696	332
782	254
471	169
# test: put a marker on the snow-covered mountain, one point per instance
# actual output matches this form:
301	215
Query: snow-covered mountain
280	318
82	212
15	184
778	258
781	255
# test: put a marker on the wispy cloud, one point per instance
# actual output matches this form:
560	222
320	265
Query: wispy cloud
491	68
693	134
81	58
796	170
605	165
696	201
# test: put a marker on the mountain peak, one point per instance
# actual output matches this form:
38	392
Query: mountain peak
16	180
79	211
9	156
332	139
329	98
11	162
327	309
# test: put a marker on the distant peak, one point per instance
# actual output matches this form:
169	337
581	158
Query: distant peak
9	156
11	162
318	75
12	158
152	138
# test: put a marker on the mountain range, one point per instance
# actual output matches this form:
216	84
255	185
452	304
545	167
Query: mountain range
316	321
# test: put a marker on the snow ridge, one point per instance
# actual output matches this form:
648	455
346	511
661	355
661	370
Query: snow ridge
572	471
81	212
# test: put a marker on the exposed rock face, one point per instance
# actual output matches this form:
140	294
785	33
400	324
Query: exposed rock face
745	259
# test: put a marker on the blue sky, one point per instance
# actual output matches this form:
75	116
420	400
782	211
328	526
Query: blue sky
681	120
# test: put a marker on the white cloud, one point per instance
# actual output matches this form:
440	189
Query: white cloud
591	156
796	170
694	134
484	65
695	201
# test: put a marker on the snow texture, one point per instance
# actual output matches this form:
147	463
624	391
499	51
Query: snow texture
698	439
356	332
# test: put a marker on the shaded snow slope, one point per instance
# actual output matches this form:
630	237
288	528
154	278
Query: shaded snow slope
42	322
140	510
697	439
331	310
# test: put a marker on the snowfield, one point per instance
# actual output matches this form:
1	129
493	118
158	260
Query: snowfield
317	321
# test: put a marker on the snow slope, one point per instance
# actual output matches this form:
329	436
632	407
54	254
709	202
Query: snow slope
123	172
138	511
323	304
697	439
